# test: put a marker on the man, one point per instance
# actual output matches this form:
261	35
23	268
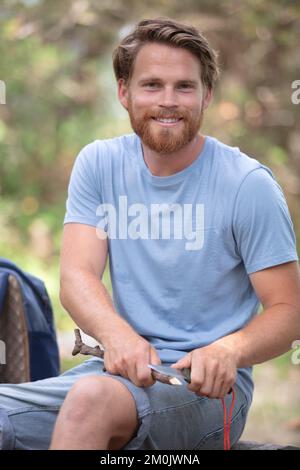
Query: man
198	234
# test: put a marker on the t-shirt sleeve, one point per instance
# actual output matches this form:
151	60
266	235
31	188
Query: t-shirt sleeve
262	224
84	189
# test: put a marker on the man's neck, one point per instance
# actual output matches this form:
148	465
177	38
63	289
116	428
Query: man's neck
169	164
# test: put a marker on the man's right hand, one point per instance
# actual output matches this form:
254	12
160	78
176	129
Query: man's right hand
128	355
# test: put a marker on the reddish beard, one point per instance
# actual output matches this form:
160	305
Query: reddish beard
165	140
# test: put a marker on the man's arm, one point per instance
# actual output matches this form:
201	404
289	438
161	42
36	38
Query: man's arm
82	264
268	335
84	296
271	333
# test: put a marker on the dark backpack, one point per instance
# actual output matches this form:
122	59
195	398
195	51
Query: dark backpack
27	331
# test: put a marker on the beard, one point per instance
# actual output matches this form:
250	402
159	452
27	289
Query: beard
165	140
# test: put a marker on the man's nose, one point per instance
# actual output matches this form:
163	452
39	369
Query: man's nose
168	98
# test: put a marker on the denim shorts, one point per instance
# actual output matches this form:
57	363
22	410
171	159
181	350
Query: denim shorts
169	416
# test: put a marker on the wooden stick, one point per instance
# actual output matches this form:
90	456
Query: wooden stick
82	348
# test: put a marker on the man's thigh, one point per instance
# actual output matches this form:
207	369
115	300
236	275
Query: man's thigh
28	411
182	420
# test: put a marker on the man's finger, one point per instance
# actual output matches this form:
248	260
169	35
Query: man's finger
197	377
218	388
144	375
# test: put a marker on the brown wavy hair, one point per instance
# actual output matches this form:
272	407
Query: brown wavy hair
172	33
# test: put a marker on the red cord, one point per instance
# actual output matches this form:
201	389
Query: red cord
227	425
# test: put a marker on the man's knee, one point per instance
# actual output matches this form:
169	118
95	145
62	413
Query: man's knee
106	398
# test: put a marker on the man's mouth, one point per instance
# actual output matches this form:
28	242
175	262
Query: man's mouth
167	121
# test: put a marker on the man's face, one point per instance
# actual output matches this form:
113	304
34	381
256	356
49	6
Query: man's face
165	98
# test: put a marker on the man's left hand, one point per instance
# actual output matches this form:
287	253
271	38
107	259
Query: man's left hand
213	369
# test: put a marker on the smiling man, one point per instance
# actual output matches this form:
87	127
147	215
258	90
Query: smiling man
143	199
165	99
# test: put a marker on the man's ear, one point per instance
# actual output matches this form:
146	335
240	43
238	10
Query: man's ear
207	98
123	93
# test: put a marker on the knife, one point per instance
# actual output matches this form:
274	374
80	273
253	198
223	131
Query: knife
176	376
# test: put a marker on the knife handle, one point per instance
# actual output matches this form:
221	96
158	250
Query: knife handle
187	374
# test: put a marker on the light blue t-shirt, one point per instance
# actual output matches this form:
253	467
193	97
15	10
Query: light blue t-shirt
181	247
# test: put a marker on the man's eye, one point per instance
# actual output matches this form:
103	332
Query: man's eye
185	85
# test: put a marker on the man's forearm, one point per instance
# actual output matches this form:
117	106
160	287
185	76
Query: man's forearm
268	335
88	302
